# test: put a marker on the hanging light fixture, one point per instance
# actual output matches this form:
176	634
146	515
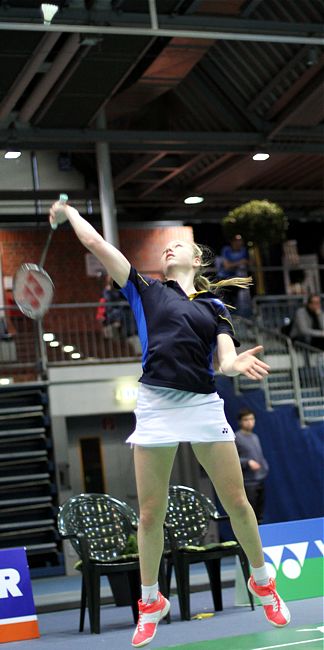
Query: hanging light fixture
261	156
192	200
12	155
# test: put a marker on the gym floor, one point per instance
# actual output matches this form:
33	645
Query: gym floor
235	628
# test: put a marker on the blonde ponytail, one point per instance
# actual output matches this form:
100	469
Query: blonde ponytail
201	283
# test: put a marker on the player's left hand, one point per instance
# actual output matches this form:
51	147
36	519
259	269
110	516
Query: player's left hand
248	364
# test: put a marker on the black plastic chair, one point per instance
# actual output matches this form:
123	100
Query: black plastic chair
187	521
99	528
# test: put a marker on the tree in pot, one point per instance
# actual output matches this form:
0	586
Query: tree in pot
260	222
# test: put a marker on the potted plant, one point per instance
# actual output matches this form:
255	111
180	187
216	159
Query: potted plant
260	223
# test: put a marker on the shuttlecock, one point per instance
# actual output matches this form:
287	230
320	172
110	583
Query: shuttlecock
49	12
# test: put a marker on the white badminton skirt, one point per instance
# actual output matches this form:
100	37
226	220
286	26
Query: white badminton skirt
166	416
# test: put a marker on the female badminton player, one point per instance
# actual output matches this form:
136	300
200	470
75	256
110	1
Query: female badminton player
181	323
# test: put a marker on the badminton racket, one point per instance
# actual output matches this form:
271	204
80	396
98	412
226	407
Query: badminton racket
33	288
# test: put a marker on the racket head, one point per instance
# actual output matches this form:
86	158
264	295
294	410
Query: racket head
32	290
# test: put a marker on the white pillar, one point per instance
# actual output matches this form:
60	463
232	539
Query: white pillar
106	189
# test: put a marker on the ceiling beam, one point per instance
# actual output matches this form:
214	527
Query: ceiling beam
208	27
287	196
47	81
190	6
299	141
212	95
63	79
121	81
313	92
124	198
250	7
175	172
27	73
136	168
171	65
46	195
230	98
294	89
153	14
278	78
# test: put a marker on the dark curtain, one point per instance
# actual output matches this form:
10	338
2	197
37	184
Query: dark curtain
294	486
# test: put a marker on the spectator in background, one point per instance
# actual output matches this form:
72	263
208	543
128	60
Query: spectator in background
16	321
254	465
109	314
117	319
307	324
235	263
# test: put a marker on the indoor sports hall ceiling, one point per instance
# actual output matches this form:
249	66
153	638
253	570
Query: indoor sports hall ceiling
190	90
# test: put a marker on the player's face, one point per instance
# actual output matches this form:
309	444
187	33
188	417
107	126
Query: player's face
178	255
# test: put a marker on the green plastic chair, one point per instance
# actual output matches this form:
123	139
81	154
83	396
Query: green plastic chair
187	521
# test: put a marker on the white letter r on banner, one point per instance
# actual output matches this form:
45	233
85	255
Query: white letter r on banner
9	579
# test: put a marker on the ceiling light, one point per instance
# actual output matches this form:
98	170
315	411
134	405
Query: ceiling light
49	11
261	156
11	155
76	355
4	381
54	344
68	348
191	200
48	336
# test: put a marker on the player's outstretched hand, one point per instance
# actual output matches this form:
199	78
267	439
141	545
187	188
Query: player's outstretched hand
248	364
58	214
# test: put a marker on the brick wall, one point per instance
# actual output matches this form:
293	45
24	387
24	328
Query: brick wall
143	246
65	261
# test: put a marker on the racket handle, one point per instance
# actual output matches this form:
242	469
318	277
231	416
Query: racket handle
63	198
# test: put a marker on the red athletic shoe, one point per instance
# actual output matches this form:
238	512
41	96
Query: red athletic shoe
274	607
149	616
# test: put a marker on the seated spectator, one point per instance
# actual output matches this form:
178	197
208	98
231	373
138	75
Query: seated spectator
234	263
308	323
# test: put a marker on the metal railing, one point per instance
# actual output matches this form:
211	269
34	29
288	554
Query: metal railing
72	333
276	311
297	371
68	333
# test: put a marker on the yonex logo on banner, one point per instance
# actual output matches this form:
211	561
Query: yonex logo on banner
291	566
18	620
294	555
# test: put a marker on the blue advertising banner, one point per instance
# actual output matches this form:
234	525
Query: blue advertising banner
294	556
293	553
18	619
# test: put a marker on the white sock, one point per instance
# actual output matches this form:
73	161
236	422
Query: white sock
260	575
149	593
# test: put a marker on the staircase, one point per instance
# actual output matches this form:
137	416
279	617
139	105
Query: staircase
297	372
313	404
281	388
27	478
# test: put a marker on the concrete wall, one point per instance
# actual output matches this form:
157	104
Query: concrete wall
84	403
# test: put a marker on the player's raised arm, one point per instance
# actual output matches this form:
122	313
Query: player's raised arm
114	261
